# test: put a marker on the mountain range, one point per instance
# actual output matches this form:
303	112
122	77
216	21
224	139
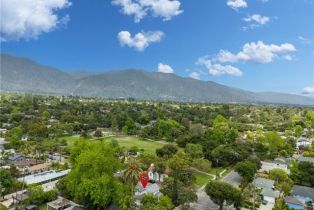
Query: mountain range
25	75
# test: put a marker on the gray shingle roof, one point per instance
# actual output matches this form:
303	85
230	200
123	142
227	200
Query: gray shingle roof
303	191
263	183
306	159
270	193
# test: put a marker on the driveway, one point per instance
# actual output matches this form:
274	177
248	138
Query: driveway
233	178
204	202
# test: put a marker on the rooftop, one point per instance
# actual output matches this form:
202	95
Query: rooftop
303	191
263	183
293	200
270	193
306	159
43	177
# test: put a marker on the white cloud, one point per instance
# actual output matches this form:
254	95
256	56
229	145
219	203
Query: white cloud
308	90
141	40
288	57
195	75
256	52
27	19
131	8
304	40
164	68
237	4
257	19
166	9
218	69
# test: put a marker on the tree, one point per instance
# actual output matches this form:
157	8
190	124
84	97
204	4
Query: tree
132	174
194	150
282	180
151	202
221	192
38	196
91	181
303	173
247	170
6	182
178	186
98	133
224	155
167	150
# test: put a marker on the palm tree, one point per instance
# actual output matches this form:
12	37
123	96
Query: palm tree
132	174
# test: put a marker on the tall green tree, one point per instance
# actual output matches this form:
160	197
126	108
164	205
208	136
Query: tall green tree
221	193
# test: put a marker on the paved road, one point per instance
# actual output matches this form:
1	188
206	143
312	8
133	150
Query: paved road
233	178
203	202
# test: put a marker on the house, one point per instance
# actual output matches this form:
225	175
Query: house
303	142
16	158
39	168
267	166
270	195
44	177
294	203
24	138
262	183
154	176
63	204
3	130
302	193
151	188
305	159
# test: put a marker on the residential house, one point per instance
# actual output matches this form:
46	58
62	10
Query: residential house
305	159
268	194
267	166
24	138
154	176
63	204
303	142
39	168
262	183
304	194
44	177
294	203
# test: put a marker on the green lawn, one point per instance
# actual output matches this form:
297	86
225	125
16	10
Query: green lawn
201	179
125	141
71	139
129	141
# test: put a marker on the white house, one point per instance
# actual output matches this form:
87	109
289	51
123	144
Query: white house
267	166
154	175
303	142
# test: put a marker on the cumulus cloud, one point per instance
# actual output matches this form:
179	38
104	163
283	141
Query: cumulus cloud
164	68
141	40
237	4
217	69
28	19
166	9
257	19
195	75
308	90
256	52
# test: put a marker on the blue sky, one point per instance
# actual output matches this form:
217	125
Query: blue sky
257	45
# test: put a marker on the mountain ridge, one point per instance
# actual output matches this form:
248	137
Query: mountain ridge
25	75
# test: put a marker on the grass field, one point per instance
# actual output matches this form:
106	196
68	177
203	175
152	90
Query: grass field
130	141
124	141
201	179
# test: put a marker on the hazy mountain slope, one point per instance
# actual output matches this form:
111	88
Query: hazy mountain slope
22	74
147	85
81	74
284	98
